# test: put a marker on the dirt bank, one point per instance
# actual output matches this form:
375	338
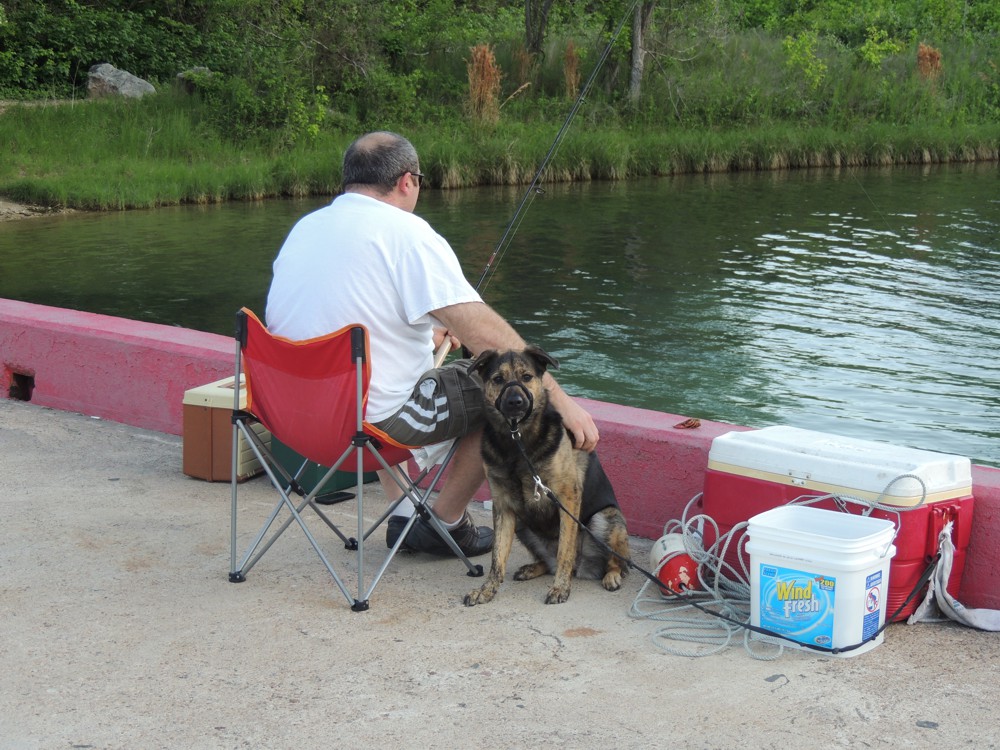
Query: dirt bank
9	210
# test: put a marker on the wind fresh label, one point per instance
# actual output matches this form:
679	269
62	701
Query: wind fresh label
797	604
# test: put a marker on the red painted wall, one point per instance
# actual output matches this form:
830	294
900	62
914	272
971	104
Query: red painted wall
137	373
655	467
107	367
981	579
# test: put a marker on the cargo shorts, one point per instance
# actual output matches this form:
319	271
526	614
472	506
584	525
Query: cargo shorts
446	403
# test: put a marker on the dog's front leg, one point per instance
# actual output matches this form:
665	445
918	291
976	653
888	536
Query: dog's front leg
503	539
565	555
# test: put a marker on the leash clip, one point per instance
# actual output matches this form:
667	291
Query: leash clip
539	488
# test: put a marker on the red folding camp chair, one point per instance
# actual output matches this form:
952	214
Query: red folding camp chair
311	395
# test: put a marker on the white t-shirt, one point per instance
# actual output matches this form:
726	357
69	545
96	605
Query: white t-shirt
360	260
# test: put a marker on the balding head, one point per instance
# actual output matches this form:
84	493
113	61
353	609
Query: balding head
377	160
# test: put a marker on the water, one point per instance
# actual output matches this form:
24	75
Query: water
859	302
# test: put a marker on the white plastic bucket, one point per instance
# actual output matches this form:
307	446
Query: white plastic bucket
819	577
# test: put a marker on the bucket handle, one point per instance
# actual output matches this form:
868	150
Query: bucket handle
870	505
895	509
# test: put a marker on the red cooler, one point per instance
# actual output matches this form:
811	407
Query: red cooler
752	472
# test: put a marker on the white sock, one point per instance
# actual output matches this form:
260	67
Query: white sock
404	509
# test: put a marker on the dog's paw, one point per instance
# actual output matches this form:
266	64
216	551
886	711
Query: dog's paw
612	580
531	570
557	595
478	596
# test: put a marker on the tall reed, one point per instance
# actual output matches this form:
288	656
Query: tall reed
484	85
571	70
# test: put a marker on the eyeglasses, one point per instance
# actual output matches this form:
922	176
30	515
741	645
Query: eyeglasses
420	177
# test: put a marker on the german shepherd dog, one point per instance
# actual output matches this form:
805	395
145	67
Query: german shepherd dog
517	402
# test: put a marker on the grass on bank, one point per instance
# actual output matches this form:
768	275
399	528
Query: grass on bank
118	154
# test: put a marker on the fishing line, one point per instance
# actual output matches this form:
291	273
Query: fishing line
857	182
533	189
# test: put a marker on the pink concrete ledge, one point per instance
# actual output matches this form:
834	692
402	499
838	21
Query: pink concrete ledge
136	373
123	370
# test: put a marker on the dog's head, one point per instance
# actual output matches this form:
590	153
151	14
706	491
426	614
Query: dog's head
512	380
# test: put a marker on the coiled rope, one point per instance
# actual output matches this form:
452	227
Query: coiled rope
708	620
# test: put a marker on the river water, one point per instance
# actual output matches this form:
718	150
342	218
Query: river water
858	302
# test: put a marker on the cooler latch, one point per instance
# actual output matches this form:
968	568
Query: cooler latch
939	516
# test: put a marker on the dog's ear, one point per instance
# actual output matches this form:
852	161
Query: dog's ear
541	358
483	362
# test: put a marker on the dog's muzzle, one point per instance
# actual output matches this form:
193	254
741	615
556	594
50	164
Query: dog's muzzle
514	402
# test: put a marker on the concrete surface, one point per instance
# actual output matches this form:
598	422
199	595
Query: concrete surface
121	630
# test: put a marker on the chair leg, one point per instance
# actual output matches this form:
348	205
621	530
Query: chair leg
285	484
419	499
255	551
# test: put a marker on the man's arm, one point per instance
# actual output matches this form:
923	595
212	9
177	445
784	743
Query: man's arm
479	328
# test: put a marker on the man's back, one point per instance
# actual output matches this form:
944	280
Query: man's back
360	260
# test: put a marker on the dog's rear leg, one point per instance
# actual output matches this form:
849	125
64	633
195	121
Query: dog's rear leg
531	570
542	552
616	569
565	556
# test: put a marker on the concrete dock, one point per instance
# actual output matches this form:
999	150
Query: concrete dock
120	629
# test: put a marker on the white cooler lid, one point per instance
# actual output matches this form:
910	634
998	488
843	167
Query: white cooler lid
217	395
828	462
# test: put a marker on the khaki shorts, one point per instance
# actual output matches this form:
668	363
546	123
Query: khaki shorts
446	403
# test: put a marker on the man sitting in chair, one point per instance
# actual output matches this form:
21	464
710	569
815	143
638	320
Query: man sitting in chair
366	258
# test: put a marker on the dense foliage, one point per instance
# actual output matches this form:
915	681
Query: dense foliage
292	68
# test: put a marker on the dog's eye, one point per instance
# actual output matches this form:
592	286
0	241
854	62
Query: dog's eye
497	379
527	377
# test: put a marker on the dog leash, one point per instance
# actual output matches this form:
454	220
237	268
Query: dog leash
515	434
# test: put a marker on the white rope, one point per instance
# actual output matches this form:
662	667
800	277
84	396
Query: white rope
724	589
721	589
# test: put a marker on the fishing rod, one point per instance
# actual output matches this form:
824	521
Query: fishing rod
515	222
533	189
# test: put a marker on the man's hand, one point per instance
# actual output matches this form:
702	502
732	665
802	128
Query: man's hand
577	420
444	343
443	334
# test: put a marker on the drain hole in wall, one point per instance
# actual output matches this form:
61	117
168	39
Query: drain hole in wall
21	386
